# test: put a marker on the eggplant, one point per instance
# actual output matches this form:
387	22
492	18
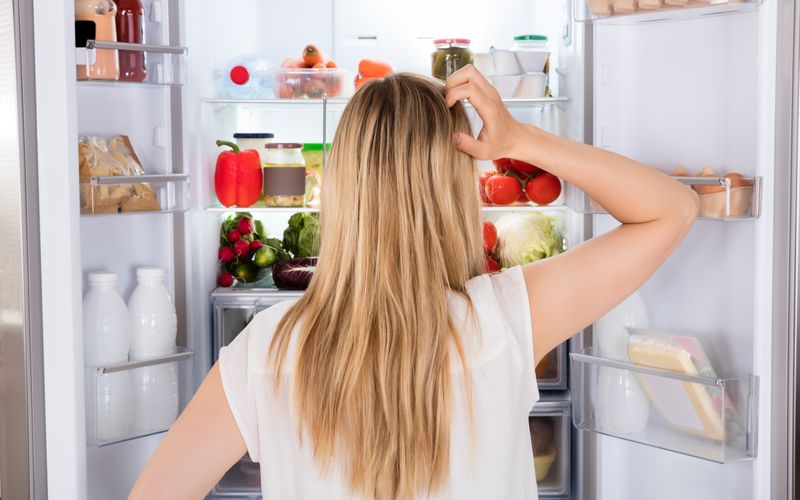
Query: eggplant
294	274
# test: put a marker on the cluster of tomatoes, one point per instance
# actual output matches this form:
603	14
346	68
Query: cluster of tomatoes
489	245
516	181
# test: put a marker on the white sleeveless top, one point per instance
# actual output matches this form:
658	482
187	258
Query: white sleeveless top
498	463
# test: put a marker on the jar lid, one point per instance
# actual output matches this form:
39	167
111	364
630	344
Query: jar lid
442	41
525	38
315	146
284	145
254	135
103	277
150	273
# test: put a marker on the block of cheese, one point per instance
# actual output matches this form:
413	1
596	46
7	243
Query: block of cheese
688	406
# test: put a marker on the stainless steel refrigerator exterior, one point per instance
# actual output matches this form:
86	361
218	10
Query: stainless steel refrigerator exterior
22	429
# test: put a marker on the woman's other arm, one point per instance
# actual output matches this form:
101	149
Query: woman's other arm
570	291
202	445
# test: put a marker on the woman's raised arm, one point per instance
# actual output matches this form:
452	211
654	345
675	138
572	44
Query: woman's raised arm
570	291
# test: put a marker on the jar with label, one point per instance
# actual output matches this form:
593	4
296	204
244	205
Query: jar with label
451	54
255	140
284	175
102	13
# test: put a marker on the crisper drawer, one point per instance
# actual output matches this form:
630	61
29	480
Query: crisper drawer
234	308
551	429
551	372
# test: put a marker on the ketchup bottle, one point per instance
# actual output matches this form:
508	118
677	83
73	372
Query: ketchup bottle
130	29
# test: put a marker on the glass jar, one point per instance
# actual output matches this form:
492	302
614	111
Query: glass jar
451	54
284	175
257	141
102	13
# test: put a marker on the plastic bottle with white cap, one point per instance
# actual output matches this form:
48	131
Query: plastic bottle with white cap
154	326
105	342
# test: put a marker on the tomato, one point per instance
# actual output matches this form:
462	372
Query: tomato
524	168
503	165
502	189
482	178
489	236
491	265
543	189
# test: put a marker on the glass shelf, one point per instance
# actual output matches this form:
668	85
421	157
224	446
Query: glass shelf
720	199
338	104
705	417
166	65
135	194
603	11
256	209
133	399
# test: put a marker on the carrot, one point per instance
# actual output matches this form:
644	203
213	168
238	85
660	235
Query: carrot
331	64
312	55
319	66
364	79
374	68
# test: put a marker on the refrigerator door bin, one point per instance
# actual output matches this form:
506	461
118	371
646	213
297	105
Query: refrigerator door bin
550	438
134	399
551	372
648	11
131	194
243	480
710	418
721	198
165	65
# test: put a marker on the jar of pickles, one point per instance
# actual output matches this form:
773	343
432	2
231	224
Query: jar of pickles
451	54
284	175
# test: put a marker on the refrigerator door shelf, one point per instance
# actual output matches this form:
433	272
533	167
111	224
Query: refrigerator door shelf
260	209
552	454
649	11
165	65
134	399
135	194
720	199
710	418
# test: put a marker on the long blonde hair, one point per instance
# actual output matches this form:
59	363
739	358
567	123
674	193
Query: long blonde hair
400	227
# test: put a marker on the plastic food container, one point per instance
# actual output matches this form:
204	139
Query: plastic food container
255	140
506	85
284	175
532	53
451	54
305	83
484	63
532	85
505	62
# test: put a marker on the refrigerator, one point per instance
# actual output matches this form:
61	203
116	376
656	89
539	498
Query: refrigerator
706	84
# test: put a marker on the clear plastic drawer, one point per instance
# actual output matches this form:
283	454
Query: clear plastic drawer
134	399
551	372
550	439
699	416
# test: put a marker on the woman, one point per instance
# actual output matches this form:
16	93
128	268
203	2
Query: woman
404	371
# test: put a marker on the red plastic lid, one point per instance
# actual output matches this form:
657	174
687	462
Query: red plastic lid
239	75
442	41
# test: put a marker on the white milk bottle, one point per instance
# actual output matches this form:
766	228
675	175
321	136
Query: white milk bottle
622	405
105	342
154	326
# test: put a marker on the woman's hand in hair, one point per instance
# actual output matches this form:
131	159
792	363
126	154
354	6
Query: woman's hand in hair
500	133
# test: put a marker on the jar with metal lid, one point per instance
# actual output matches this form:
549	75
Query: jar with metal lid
451	54
254	140
284	175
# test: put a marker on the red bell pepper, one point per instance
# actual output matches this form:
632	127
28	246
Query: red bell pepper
238	177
